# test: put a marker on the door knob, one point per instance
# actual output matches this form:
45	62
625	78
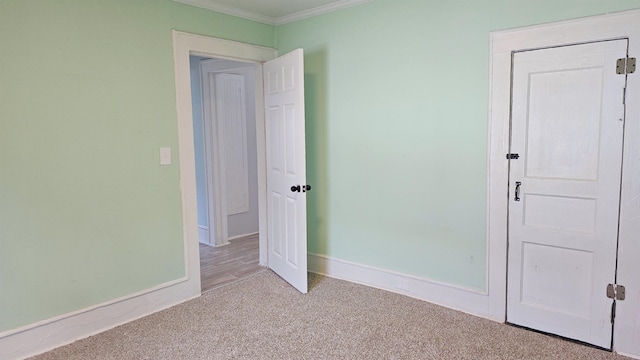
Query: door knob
298	188
517	193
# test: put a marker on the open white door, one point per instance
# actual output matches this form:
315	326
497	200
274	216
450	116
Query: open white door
286	168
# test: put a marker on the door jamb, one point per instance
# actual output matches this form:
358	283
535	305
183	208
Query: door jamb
502	45
186	44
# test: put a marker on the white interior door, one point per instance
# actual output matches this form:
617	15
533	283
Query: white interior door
232	117
567	127
286	168
213	131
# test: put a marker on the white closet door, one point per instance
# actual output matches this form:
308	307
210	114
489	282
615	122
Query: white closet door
567	128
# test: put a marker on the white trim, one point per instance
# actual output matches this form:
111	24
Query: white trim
261	146
243	235
88	309
253	16
229	10
206	46
628	355
502	44
320	10
52	333
203	234
186	44
471	301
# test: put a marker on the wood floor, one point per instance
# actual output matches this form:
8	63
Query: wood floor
226	264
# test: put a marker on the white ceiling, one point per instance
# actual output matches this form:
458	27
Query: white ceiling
274	12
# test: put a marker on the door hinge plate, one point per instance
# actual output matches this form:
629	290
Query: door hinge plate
512	156
626	66
617	292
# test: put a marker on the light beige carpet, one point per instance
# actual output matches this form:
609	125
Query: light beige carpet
262	317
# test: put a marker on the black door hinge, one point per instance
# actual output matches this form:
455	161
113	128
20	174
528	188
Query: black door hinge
512	156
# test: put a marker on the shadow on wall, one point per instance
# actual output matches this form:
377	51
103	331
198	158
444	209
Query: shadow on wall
316	104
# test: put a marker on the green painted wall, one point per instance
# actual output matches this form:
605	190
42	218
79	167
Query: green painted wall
396	135
87	98
396	104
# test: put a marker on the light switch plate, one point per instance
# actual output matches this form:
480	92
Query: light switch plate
165	156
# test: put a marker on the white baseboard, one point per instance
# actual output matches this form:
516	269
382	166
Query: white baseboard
243	235
62	330
203	234
47	335
470	301
632	356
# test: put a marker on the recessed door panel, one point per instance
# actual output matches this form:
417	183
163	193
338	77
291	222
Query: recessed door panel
290	138
274	152
542	286
272	82
292	242
563	131
549	212
275	227
289	81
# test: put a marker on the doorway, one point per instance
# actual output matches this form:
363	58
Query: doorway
281	150
225	148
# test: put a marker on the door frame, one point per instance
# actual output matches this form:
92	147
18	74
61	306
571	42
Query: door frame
184	45
621	25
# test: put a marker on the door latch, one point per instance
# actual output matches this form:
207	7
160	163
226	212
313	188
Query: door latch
517	192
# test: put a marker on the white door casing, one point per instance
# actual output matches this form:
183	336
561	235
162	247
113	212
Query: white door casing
567	127
286	167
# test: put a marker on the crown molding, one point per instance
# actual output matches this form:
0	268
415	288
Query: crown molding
249	15
229	10
320	10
